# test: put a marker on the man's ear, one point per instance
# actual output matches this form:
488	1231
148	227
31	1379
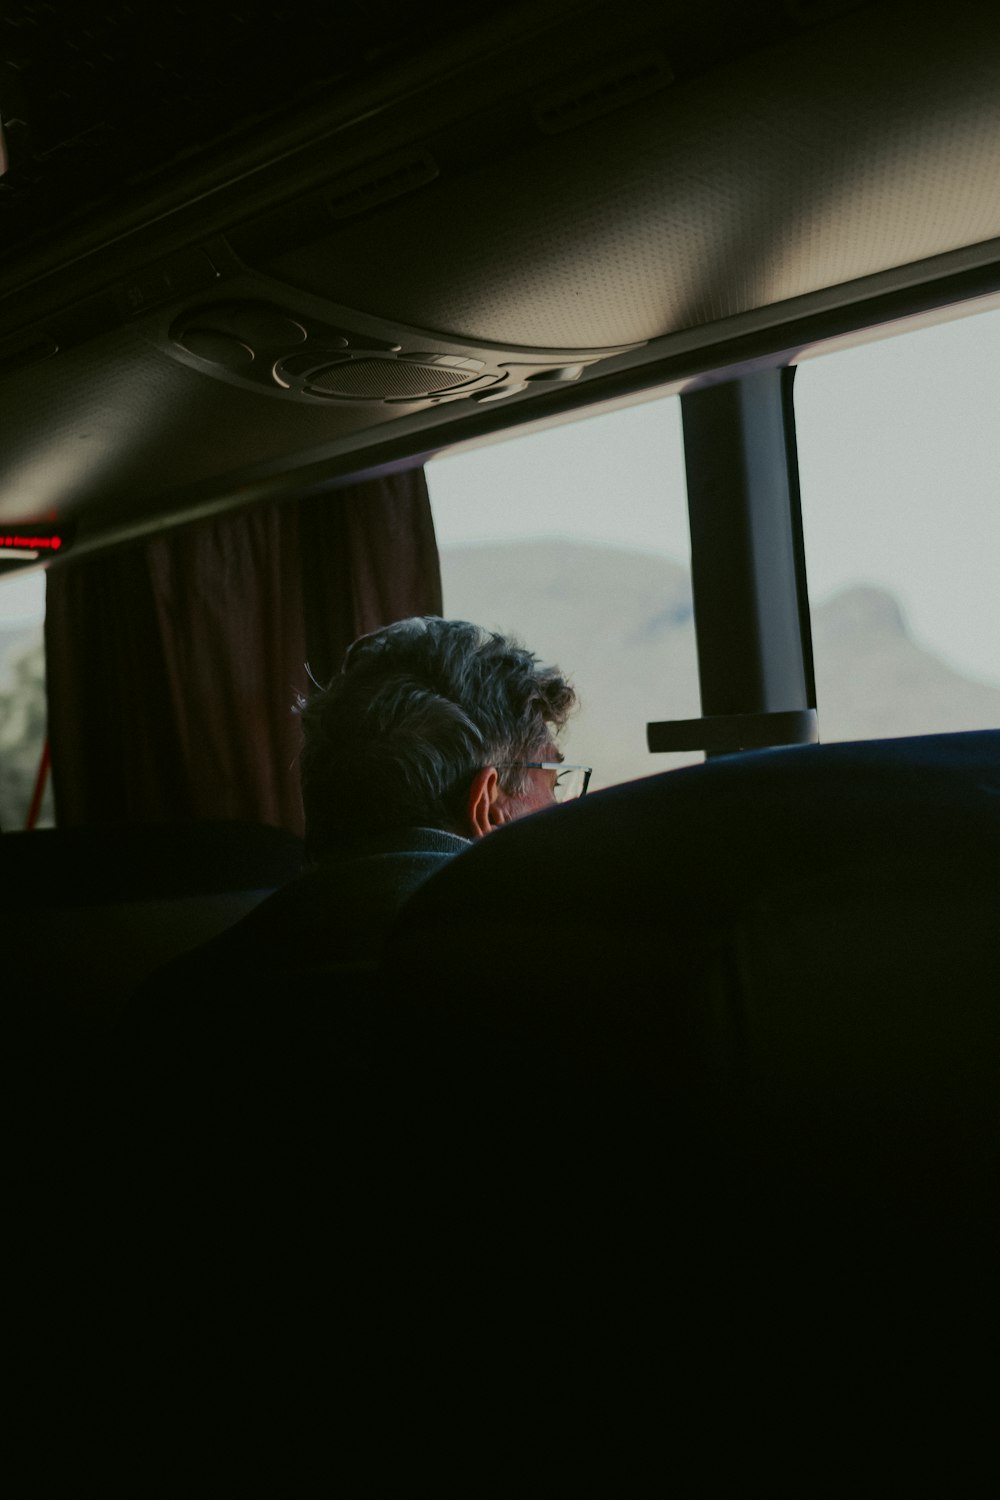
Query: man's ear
486	803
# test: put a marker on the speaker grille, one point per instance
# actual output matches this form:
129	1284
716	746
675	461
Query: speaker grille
377	379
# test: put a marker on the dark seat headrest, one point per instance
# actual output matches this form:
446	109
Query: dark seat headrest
804	943
64	867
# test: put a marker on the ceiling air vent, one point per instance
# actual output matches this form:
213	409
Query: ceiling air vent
379	182
382	379
599	94
260	347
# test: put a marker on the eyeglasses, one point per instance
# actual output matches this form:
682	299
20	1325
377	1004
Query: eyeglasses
570	782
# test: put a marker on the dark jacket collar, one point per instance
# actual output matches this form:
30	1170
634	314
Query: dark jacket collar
397	841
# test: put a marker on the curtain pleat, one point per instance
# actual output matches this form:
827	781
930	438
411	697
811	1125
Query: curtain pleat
368	560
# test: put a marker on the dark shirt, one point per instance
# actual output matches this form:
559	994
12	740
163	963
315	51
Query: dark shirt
332	919
339	910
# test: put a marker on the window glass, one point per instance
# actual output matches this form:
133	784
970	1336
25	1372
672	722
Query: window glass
22	699
575	539
899	456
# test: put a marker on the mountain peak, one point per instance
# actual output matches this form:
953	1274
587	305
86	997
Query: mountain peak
864	609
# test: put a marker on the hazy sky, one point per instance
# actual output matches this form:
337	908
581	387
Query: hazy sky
899	450
899	453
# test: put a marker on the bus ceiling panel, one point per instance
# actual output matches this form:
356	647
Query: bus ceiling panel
844	151
118	115
166	418
126	130
686	177
246	383
110	428
591	174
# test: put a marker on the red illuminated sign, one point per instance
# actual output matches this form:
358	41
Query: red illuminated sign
30	541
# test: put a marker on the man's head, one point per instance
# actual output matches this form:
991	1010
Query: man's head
429	723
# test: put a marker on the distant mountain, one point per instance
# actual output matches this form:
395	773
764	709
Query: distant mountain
620	624
873	679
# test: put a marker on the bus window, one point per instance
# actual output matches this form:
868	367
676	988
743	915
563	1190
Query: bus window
575	539
899	462
22	701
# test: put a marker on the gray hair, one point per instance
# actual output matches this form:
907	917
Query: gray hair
416	710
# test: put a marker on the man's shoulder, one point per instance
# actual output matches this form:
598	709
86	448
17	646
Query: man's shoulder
334	915
414	841
368	882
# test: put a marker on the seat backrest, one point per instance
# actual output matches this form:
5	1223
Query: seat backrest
793	956
89	912
693	1079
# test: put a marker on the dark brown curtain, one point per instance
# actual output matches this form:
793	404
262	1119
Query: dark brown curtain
173	664
370	559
